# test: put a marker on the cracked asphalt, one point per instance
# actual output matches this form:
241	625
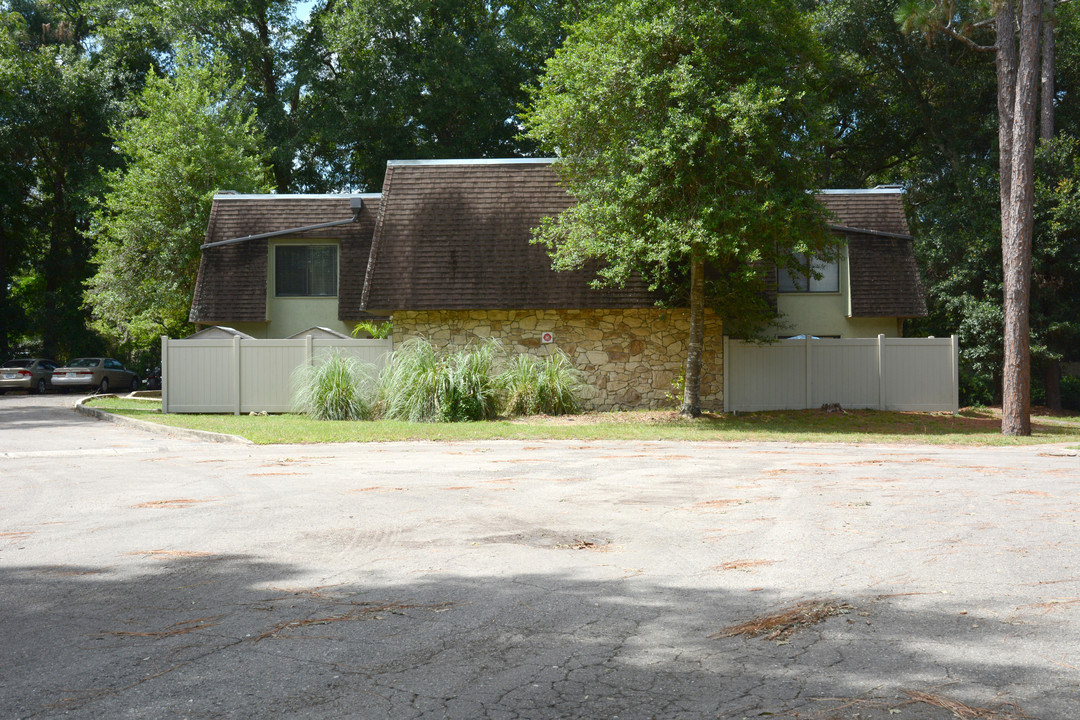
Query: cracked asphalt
148	576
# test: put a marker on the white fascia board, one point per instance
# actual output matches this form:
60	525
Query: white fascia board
870	191
474	161
284	196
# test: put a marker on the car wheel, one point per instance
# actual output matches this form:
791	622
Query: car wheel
41	386
134	384
104	387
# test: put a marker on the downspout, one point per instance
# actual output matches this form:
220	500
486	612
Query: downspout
355	204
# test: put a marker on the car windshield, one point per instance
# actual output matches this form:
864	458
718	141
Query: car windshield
85	362
18	363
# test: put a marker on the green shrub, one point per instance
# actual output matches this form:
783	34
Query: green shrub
374	330
551	386
338	388
422	384
975	389
1070	392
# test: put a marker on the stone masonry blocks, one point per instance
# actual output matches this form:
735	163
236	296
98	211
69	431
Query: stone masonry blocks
629	357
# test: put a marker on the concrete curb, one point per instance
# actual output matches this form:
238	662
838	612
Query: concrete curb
187	433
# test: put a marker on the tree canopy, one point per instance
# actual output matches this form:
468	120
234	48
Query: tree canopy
413	79
687	133
193	134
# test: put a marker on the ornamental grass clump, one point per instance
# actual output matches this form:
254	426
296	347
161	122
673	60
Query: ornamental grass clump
422	384
338	388
549	386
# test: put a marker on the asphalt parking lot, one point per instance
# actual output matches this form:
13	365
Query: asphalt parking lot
148	576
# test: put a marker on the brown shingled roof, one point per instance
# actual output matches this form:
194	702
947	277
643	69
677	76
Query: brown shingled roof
455	236
232	278
881	210
884	275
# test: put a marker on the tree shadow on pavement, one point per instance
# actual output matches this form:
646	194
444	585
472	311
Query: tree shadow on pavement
233	637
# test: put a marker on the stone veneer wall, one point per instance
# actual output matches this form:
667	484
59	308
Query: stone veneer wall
629	357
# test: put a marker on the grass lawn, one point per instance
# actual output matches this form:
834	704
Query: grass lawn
971	427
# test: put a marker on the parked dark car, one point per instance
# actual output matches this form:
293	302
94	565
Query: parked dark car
33	374
95	373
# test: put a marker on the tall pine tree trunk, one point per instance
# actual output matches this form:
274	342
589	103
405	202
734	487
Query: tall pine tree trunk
1006	86
1046	78
1017	222
692	392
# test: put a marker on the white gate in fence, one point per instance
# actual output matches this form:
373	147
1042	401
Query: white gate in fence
880	373
239	375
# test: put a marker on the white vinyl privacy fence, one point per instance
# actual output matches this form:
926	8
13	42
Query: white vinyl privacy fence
880	373
239	375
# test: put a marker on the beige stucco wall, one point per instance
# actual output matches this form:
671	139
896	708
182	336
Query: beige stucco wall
290	315
825	315
293	315
629	357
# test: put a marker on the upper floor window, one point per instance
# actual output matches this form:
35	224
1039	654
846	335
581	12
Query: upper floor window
305	270
793	281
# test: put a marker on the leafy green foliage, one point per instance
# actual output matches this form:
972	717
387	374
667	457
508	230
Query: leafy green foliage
533	385
378	331
685	131
412	79
57	99
1070	393
904	108
270	53
678	388
1055	295
921	110
338	388
424	384
194	135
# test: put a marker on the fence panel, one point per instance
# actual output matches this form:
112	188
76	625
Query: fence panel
777	380
200	376
246	375
884	373
266	372
908	385
845	372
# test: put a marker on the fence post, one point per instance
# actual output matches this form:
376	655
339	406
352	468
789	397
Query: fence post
881	371
809	373
236	375
164	374
955	362
724	369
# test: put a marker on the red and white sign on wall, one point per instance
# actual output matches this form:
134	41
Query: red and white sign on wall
547	337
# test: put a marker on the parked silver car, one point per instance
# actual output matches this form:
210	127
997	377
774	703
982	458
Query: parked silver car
33	374
95	373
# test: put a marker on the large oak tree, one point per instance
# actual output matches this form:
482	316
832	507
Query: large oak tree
686	131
